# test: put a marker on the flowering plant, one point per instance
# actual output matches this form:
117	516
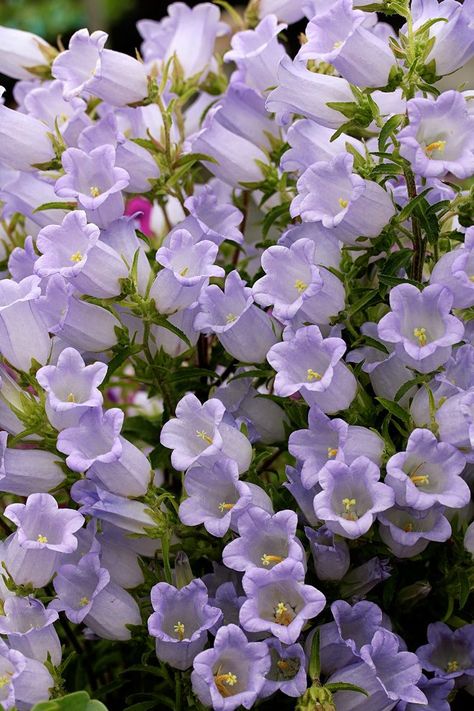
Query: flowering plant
237	349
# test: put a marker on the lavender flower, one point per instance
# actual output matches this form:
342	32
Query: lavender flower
180	622
24	141
331	555
288	669
232	673
408	531
94	439
449	653
454	270
278	601
29	628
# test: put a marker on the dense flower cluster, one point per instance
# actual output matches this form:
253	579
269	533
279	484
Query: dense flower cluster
237	361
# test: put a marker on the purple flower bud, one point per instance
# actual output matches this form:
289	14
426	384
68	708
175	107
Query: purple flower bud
310	364
86	67
181	621
301	91
278	601
245	331
200	430
420	326
232	673
72	388
351	496
23	333
340	37
331	555
359	581
428	473
21	51
440	137
265	541
24	141
303	497
94	439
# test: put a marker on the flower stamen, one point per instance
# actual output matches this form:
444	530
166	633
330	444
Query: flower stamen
452	666
225	507
84	601
204	436
230	318
223	681
268	559
76	257
348	514
343	203
179	629
420	333
300	286
94	191
313	375
435	146
332	452
41	538
283	615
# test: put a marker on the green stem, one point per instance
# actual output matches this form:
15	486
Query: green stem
178	693
419	245
165	552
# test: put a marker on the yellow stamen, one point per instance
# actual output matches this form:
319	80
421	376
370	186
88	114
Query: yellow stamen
408	527
313	375
71	398
225	507
94	191
41	538
184	271
420	333
343	203
452	666
76	257
223	681
419	479
300	286
435	146
348	514
179	629
204	436
230	318
268	559
471	278
282	665
283	616
84	601
332	452
337	44
4	680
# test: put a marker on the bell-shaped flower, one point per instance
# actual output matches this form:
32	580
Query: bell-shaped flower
449	653
455	419
279	602
257	53
28	471
25	681
300	91
72	388
211	216
245	331
360	580
264	540
29	628
85	593
286	10
21	51
455	270
303	497
187	266
95	181
439	138
351	496
86	67
232	673
408	531
428	473
309	143
94	439
181	621
74	251
341	38
327	439
330	553
296	287
421	326
199	430
306	362
23	331
129	475
24	141
288	670
330	193
130	516
216	497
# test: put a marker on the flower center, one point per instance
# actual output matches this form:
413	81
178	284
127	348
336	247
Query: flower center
332	452
408	527
300	286
204	436
230	318
420	333
224	681
4	680
419	479
41	538
71	398
84	601
184	271
452	666
343	203
268	559
225	507
313	375
348	506
76	257
288	667
283	614
94	191
435	146
179	629
337	44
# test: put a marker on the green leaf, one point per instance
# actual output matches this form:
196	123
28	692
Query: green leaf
162	321
388	128
390	280
394	409
191	158
344	686
56	206
371	296
409	207
77	701
315	661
